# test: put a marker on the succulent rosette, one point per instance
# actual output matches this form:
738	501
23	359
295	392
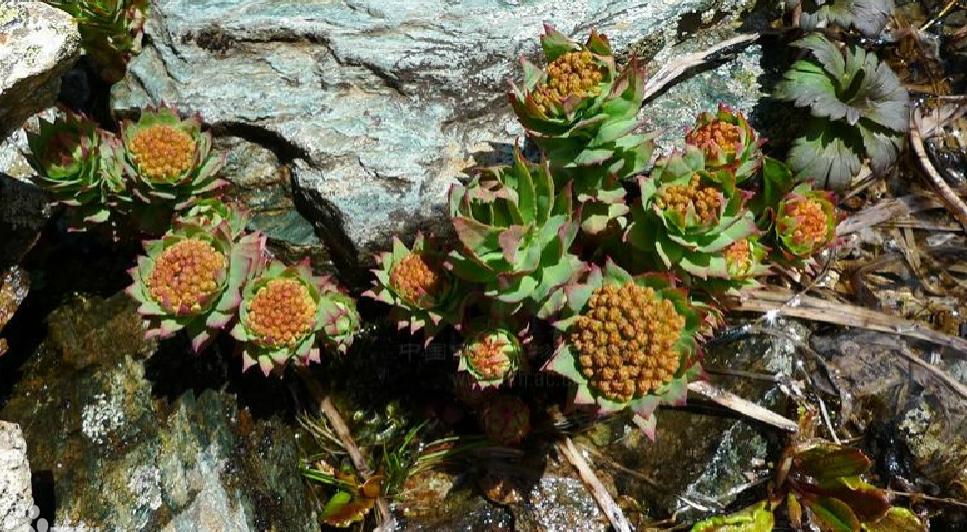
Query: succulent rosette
169	158
191	279
728	143
506	419
285	310
806	221
212	212
422	292
78	165
515	232
628	342
111	31
583	113
689	216
491	357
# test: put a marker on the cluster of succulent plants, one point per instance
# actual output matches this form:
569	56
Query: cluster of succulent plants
158	166
207	273
859	112
111	31
627	260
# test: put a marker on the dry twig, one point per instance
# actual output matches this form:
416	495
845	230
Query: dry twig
779	301
671	71
953	202
598	491
747	408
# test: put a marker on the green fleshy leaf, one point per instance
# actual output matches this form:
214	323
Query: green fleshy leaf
755	518
829	461
832	515
897	520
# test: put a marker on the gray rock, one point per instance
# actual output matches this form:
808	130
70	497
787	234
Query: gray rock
23	213
131	445
39	43
16	498
379	107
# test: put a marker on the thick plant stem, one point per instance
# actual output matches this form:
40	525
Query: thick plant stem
598	491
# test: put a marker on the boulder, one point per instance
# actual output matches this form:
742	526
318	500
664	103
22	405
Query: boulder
38	43
378	108
16	499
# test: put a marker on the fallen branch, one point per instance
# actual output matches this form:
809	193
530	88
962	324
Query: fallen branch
674	69
953	202
742	406
339	426
777	301
598	491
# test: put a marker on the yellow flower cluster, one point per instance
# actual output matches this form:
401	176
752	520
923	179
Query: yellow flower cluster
714	136
185	276
572	74
625	340
417	280
162	152
738	256
810	229
706	200
282	313
489	356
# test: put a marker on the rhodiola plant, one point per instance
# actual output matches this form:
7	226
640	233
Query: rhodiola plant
628	342
582	111
169	162
515	231
286	311
860	111
191	279
78	166
111	31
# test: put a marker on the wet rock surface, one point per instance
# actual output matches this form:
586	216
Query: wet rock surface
121	437
914	420
38	43
378	109
16	500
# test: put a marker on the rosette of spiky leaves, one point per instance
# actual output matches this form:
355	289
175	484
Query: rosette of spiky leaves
212	212
628	342
169	158
111	31
688	216
491	356
583	113
515	232
859	108
728	142
342	319
284	311
78	165
806	221
191	279
422	292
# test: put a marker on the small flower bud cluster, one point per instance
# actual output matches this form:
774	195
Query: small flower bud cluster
714	137
810	228
162	152
282	313
418	281
738	256
574	74
185	276
506	419
706	200
490	356
626	341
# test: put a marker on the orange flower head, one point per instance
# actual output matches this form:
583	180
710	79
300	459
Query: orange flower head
186	275
716	136
490	356
282	313
738	256
811	227
626	341
707	201
418	281
162	152
574	74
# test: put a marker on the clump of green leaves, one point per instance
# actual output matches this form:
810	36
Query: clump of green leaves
869	17
111	31
860	112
